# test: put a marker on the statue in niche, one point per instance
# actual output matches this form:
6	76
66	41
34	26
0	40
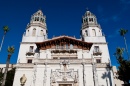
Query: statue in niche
64	70
64	65
23	80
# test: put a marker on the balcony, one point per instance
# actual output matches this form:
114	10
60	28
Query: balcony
29	53
64	51
97	52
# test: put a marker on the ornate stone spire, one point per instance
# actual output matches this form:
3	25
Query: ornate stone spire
89	20
38	19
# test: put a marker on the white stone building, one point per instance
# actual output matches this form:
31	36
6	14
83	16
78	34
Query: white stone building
64	60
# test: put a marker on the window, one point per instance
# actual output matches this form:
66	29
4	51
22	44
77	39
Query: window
41	32
57	46
34	32
91	19
67	46
36	18
98	60
86	33
55	57
96	48
41	20
44	36
62	46
71	46
29	61
27	33
31	49
93	32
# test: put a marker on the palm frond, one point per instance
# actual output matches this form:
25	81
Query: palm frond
123	31
10	49
6	28
119	51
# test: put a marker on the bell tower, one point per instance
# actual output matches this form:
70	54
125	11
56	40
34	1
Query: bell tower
91	30
36	30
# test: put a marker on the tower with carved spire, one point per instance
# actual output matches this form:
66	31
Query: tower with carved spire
91	30
36	30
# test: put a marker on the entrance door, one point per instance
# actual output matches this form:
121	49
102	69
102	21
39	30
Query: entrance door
65	84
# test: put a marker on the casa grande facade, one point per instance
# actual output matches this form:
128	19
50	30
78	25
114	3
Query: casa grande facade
63	60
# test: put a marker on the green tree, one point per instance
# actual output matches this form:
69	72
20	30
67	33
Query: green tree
5	29
10	77
124	66
122	33
1	77
10	52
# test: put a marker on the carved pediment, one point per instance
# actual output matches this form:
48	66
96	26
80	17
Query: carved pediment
64	43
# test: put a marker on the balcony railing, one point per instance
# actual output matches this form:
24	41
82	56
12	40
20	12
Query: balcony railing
30	53
64	51
97	52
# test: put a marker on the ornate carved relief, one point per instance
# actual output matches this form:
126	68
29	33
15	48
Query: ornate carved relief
64	74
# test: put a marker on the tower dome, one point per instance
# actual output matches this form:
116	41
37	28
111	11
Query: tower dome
89	20
38	19
36	30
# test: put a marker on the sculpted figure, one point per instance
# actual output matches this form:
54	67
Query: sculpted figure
23	79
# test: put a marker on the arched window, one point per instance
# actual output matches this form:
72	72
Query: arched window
44	36
93	32
34	32
86	33
41	33
43	20
27	33
37	18
91	19
100	33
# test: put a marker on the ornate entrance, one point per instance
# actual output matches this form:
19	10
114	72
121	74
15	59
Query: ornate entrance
65	84
64	76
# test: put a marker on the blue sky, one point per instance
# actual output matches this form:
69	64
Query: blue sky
64	18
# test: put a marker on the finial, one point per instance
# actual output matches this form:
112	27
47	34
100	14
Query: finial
40	8
87	9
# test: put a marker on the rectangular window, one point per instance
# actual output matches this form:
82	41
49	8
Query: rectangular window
98	60
55	57
67	46
29	61
96	48
31	49
57	46
62	46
